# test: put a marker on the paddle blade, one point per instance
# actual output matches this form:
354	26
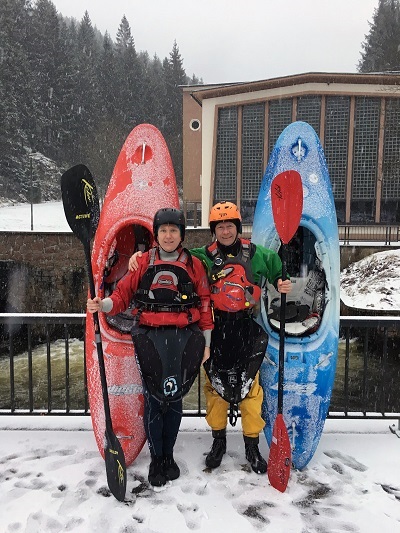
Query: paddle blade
115	466
287	203
81	202
280	456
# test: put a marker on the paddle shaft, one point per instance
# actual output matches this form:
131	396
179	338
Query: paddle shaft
282	334
97	336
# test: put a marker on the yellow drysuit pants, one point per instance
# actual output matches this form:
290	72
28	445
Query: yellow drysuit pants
250	408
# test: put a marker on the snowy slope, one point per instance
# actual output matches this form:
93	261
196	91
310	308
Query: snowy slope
373	283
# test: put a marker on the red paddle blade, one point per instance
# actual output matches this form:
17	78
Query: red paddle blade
280	456
287	203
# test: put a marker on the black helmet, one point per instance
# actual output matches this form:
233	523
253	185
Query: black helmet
169	215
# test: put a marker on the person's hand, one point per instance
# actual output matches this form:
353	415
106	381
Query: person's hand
206	354
284	286
95	305
133	264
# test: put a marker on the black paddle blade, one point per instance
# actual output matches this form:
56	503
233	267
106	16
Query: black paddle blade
81	202
115	466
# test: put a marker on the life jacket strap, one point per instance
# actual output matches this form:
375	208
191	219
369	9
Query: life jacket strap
233	413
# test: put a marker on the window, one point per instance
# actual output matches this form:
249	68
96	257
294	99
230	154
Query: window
252	158
226	157
336	143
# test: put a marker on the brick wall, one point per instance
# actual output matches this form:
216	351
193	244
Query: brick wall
45	272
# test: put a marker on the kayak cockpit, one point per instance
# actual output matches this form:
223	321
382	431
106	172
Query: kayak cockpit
130	239
305	303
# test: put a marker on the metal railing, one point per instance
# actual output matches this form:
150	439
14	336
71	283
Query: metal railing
348	233
36	376
42	368
387	234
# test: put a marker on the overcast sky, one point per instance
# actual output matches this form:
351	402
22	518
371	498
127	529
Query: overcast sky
226	41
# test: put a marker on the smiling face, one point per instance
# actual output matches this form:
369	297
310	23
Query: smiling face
226	233
168	237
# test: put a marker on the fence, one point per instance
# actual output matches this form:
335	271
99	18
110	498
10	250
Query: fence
42	368
375	233
348	233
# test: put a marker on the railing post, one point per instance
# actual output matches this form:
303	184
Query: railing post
67	381
30	373
48	358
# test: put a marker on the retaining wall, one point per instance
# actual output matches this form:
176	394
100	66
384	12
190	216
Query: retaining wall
45	272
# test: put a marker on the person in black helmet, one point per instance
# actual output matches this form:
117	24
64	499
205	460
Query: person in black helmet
171	335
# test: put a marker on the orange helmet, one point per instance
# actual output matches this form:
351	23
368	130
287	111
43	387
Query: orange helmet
224	212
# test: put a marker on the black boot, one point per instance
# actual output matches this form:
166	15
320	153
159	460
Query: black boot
156	472
218	449
171	469
258	464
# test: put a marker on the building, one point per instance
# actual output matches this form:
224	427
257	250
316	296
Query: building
229	131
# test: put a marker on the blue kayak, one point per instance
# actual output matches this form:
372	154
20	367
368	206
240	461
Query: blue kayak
312	308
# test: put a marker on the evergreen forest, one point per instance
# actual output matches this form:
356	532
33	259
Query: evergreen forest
69	95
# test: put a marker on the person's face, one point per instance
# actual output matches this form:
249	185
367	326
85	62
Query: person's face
226	233
169	237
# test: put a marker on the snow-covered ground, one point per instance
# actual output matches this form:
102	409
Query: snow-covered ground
53	480
47	216
373	283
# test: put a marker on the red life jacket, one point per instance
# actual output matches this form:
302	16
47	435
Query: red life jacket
166	286
232	283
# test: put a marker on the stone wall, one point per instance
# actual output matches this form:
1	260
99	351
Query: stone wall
45	272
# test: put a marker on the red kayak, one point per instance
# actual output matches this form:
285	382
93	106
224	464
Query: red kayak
142	182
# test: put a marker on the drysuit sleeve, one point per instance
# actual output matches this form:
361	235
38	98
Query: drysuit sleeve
266	263
201	254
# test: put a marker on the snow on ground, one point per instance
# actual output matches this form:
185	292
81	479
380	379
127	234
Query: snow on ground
47	217
373	283
54	481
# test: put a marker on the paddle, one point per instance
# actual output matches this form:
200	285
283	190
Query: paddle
287	206
81	207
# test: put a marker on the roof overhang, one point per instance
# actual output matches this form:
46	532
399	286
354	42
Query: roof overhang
203	92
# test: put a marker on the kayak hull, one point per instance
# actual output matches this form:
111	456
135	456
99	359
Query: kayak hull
142	182
310	352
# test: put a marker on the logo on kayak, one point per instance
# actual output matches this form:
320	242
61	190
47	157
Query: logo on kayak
299	150
125	390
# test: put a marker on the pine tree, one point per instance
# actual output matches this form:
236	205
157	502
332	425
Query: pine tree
129	76
45	76
108	135
381	48
175	77
87	96
15	104
67	89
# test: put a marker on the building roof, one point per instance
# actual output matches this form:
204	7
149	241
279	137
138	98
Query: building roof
203	92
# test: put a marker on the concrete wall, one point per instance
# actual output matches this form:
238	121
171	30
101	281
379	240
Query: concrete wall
45	272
